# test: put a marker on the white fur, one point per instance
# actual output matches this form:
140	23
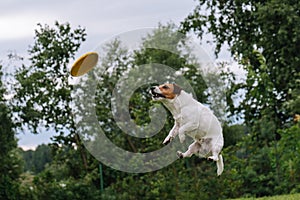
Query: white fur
198	122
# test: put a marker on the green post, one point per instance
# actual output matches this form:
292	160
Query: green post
101	177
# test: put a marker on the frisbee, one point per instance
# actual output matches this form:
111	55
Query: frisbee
84	64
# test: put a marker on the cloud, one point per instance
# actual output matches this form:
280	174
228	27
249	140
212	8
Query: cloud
101	18
19	19
21	25
30	141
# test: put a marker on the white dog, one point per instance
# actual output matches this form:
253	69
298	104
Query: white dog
193	119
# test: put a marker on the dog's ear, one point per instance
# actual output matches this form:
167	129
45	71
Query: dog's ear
177	89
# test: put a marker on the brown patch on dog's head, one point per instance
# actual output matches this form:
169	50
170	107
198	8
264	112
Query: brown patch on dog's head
170	90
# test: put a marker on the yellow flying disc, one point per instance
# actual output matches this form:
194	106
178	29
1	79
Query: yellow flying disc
84	64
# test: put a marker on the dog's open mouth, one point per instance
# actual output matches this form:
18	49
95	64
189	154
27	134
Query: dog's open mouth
156	95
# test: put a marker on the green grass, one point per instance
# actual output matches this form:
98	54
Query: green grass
281	197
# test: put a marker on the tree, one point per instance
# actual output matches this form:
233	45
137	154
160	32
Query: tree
43	99
167	46
117	64
263	37
267	27
162	46
11	165
36	160
289	157
43	89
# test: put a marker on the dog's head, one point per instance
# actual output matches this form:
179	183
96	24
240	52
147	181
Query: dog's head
165	91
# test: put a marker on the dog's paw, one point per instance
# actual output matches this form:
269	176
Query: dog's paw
214	158
179	154
167	140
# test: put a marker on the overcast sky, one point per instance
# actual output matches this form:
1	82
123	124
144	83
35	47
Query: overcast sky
101	18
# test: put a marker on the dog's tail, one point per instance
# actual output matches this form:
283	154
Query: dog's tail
220	165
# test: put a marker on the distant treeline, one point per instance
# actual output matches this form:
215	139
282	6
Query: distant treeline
36	160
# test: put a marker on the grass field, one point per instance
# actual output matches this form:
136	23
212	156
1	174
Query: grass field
281	197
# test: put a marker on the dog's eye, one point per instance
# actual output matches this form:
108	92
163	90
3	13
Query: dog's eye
165	87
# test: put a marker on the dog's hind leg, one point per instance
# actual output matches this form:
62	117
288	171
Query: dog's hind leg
215	151
193	148
214	157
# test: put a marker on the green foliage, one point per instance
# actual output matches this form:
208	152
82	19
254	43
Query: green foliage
167	46
233	134
163	46
62	180
36	160
278	197
172	182
261	157
259	106
114	63
264	38
11	165
265	26
66	189
43	98
43	89
288	149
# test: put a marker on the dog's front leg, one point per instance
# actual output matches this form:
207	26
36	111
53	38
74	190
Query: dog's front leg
172	134
182	130
185	128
